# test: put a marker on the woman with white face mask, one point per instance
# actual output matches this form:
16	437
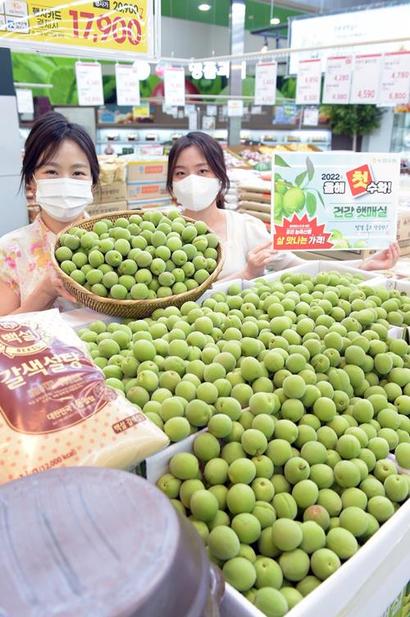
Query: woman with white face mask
60	167
198	181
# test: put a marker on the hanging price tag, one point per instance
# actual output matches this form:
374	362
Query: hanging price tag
24	101
89	83
338	77
395	80
174	85
127	85
308	82
235	108
265	83
365	79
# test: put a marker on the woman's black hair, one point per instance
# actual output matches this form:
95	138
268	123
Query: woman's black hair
46	136
213	154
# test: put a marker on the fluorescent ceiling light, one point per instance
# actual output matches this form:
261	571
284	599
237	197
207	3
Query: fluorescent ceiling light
275	21
204	7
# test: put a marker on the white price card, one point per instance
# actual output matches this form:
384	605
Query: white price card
127	85
89	83
308	82
265	83
211	110
16	8
193	121
310	116
338	78
24	101
365	79
174	85
395	79
235	108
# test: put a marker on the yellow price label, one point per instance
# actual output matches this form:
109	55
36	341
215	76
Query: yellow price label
108	25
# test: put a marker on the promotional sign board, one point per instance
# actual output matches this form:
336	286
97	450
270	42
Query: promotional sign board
99	28
329	200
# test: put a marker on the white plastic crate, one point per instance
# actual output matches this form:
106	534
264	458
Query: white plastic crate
363	587
313	268
223	286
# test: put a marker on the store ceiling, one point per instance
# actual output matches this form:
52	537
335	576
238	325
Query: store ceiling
323	6
257	13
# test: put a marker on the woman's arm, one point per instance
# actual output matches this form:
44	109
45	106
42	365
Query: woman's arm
9	300
382	260
41	298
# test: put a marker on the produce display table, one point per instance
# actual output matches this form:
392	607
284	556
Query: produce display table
369	582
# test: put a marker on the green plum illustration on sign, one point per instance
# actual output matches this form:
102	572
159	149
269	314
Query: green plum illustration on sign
291	198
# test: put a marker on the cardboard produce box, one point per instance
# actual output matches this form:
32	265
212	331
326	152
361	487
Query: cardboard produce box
404	246
154	170
108	193
403	224
146	190
150	203
105	208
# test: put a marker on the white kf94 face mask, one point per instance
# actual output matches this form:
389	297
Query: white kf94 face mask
64	199
196	192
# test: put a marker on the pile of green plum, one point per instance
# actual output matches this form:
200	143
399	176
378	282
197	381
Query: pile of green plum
280	505
144	256
304	393
181	366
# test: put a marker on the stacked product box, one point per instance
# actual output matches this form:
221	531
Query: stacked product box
146	183
403	231
110	195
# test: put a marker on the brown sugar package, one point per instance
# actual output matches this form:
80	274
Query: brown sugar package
55	409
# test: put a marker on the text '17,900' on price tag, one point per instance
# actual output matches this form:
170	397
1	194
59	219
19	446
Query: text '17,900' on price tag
106	25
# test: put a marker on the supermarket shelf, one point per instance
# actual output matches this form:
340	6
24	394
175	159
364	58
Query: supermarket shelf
145	125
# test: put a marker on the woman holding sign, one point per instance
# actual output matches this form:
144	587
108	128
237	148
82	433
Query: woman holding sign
197	180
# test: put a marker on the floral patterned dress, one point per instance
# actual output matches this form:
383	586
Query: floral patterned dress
25	259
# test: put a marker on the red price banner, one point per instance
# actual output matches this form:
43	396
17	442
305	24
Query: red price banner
300	233
103	25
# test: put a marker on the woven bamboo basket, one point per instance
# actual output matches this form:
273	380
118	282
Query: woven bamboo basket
128	308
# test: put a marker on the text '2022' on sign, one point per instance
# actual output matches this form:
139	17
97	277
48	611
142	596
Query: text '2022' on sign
100	25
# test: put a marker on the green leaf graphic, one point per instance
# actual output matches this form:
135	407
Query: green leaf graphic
310	168
299	179
321	198
280	161
310	204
